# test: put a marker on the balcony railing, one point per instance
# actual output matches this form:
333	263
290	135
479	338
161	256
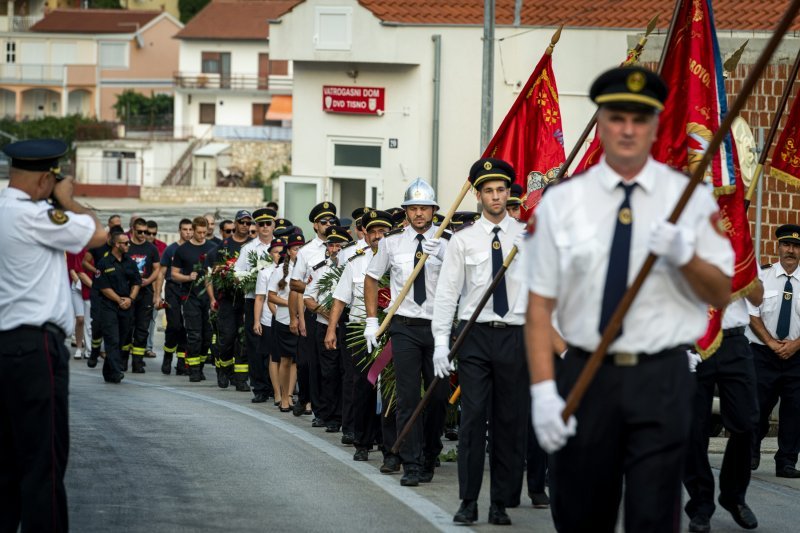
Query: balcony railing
24	23
253	133
29	73
232	82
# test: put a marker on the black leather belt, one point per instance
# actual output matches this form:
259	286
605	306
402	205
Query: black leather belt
730	332
48	327
629	358
412	321
498	325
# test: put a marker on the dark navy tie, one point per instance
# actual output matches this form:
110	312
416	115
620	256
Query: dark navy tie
500	296
419	281
617	275
785	317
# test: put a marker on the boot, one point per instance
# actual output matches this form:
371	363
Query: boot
180	367
222	378
195	374
242	386
125	361
166	364
137	364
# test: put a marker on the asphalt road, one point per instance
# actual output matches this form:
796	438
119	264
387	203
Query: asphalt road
157	453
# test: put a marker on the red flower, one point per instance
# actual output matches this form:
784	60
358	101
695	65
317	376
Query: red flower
384	297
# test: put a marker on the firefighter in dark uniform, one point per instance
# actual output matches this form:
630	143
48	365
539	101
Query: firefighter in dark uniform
175	334
90	261
119	283
34	371
145	255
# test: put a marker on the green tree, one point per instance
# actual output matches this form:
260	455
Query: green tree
190	8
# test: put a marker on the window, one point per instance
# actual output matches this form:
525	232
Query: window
210	63
208	114
260	116
11	52
278	68
355	155
333	28
113	55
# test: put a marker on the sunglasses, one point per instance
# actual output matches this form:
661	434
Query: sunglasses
125	243
244	222
142	232
263	223
326	221
152	233
227	231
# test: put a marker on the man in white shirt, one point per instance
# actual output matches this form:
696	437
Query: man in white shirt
410	330
492	369
591	236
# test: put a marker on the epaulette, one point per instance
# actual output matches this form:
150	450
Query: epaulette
396	231
447	235
348	245
464	225
319	265
764	267
358	253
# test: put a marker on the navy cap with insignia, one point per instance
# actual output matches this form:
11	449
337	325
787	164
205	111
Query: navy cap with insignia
285	231
38	155
788	233
377	218
280	241
264	213
282	223
398	215
243	213
516	195
296	239
488	169
321	210
632	88
337	235
360	212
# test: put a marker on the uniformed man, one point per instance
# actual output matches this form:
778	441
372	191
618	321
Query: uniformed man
302	321
775	339
514	205
590	238
492	370
410	330
34	426
145	255
188	269
119	283
90	260
175	334
230	309
254	365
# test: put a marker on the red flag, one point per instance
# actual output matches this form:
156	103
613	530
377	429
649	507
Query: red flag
785	159
530	137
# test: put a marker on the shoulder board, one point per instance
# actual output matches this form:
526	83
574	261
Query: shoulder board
765	267
360	252
348	245
464	226
447	235
397	231
319	265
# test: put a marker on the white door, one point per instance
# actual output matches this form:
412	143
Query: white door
296	196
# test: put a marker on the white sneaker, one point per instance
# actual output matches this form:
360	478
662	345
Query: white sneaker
78	354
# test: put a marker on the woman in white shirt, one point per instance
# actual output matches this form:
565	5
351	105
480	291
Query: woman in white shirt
263	314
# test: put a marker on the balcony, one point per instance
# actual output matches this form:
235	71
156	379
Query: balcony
18	23
233	82
32	74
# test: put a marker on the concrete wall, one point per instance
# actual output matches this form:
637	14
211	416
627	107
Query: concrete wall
209	196
153	160
273	156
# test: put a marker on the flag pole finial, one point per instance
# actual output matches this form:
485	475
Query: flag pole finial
554	40
651	26
732	62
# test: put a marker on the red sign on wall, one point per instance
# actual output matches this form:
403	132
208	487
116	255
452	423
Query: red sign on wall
349	99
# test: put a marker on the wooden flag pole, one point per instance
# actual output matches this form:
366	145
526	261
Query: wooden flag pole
614	325
773	130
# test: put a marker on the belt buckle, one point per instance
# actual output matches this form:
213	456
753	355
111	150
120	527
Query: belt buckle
626	359
498	325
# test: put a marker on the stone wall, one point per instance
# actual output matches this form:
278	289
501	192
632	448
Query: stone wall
273	156
218	196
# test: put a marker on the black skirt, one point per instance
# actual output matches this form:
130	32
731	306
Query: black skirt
284	342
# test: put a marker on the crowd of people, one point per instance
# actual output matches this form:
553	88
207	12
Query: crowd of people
350	326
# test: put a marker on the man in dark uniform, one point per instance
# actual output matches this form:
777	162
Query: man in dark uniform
90	261
175	334
34	370
230	307
119	283
189	268
145	255
775	339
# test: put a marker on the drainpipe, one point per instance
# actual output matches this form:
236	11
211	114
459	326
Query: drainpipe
437	85
487	87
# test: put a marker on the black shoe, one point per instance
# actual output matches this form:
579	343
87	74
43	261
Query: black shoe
539	500
741	513
754	462
115	379
242	386
467	513
361	455
259	398
284	409
498	515
166	366
391	465
426	474
332	428
700	524
787	471
91	362
318	423
202	376
348	439
451	433
410	478
298	409
194	375
222	380
138	369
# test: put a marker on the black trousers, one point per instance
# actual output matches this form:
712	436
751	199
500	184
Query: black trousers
230	317
350	376
259	363
34	430
412	347
731	369
244	366
329	406
115	323
388	424
778	378
366	421
198	329
493	374
97	332
536	463
175	334
307	364
633	423
142	314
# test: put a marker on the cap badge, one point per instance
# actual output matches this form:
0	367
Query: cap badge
417	194
333	232
796	235
325	205
373	214
636	82
487	165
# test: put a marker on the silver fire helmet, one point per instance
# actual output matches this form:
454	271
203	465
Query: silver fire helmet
419	193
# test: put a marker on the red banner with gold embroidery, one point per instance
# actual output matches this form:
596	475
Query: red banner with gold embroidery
785	159
531	137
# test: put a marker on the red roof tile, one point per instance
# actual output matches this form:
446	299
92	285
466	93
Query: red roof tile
94	21
632	14
235	19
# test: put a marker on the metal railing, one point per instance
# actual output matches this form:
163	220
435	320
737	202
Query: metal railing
231	82
255	133
24	23
32	73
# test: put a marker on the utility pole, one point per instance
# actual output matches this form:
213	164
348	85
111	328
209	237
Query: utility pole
487	85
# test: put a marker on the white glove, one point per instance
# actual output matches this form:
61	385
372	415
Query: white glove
371	333
441	365
694	360
433	247
672	242
546	408
518	240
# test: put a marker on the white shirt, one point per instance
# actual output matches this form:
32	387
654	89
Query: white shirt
350	251
736	314
33	287
350	288
396	254
262	287
568	255
467	272
281	311
774	280
312	288
243	263
309	255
